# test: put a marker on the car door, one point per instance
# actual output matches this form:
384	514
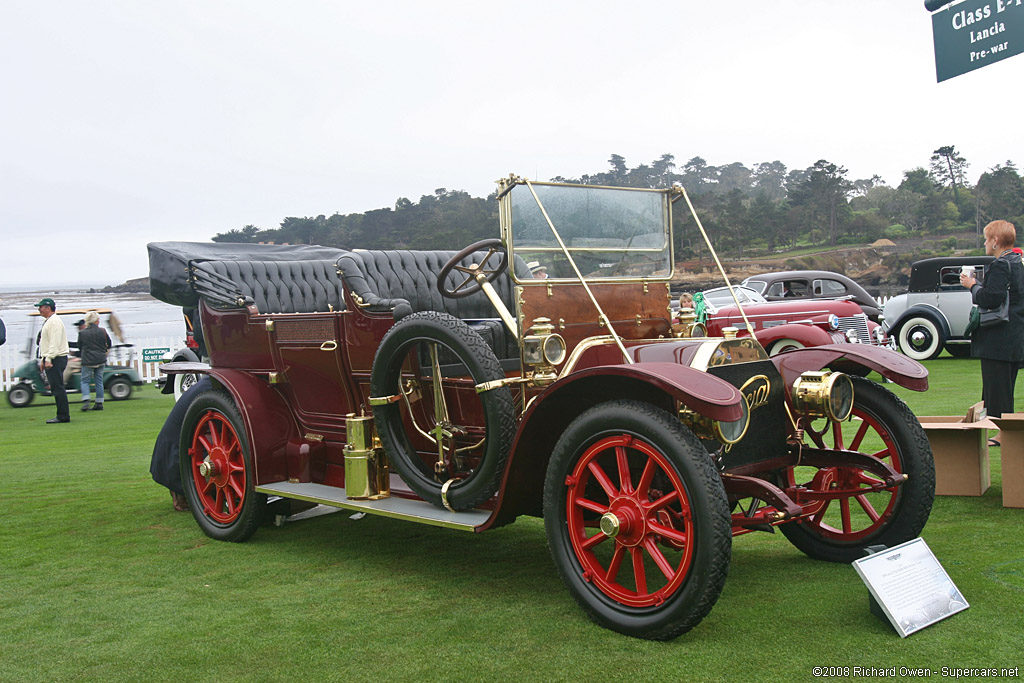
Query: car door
307	350
953	299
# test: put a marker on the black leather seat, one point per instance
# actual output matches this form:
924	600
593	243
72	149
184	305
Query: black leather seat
284	286
385	279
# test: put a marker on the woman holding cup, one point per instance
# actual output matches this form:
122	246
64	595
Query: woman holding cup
1001	346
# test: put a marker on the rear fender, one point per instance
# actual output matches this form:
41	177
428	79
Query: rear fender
891	365
661	384
182	355
269	422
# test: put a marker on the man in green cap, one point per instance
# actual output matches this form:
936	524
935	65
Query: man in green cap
53	357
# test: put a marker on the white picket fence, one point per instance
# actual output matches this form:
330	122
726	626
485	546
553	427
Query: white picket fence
12	358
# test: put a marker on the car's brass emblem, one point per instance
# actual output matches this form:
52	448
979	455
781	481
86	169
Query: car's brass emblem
756	391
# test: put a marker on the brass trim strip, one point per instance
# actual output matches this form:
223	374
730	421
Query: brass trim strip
498	383
384	400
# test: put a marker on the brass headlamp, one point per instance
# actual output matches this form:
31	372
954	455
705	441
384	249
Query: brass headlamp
543	349
706	428
823	394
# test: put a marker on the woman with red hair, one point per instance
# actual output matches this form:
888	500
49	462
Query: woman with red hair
1001	346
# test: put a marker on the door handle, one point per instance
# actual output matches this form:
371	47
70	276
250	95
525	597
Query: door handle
329	346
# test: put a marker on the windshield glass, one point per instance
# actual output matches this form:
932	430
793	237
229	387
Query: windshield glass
609	232
720	296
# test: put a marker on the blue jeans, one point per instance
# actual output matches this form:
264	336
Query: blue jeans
90	375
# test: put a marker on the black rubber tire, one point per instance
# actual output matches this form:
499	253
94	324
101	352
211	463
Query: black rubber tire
930	347
118	389
959	350
219	405
914	497
20	395
699	589
498	409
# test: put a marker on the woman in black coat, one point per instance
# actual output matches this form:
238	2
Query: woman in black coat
1001	346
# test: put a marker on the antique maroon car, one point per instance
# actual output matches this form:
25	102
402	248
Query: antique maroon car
456	390
791	323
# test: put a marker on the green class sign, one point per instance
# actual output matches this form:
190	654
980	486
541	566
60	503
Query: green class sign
975	33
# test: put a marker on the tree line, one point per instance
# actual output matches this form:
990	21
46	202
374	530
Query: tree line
746	211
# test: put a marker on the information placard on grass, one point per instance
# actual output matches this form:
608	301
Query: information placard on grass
910	586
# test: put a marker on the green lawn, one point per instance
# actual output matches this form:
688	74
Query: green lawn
101	579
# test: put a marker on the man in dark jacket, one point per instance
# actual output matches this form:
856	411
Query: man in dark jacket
93	343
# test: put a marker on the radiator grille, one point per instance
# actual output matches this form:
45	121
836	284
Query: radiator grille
858	323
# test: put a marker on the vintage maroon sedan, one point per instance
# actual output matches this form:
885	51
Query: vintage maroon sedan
457	390
791	324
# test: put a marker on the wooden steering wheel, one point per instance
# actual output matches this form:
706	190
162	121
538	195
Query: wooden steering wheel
471	285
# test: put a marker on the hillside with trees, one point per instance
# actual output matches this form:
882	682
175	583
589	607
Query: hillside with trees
760	211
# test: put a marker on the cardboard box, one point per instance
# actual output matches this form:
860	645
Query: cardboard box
960	448
1011	437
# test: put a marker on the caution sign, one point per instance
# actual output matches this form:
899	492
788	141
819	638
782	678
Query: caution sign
154	355
975	33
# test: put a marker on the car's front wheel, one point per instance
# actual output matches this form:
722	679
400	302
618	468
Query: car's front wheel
20	395
183	382
637	520
840	527
920	338
784	345
118	388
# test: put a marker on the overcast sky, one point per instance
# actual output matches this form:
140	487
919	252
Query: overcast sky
129	122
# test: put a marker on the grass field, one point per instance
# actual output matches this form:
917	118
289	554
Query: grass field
101	579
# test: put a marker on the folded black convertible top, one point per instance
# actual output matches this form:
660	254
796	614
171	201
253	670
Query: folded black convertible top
168	263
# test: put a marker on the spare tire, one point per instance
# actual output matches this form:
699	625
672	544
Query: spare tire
475	429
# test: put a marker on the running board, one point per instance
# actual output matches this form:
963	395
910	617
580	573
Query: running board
395	507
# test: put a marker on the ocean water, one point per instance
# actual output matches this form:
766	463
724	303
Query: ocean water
142	317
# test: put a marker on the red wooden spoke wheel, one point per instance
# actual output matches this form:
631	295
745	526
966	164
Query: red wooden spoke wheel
881	426
637	520
216	469
218	465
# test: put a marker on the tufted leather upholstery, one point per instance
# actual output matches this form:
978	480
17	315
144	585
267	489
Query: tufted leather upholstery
284	286
384	279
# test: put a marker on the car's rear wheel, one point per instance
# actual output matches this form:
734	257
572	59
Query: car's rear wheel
217	470
637	520
920	338
839	529
20	395
448	439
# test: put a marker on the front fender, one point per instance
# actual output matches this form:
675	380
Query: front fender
548	415
920	310
269	422
808	335
707	394
891	365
